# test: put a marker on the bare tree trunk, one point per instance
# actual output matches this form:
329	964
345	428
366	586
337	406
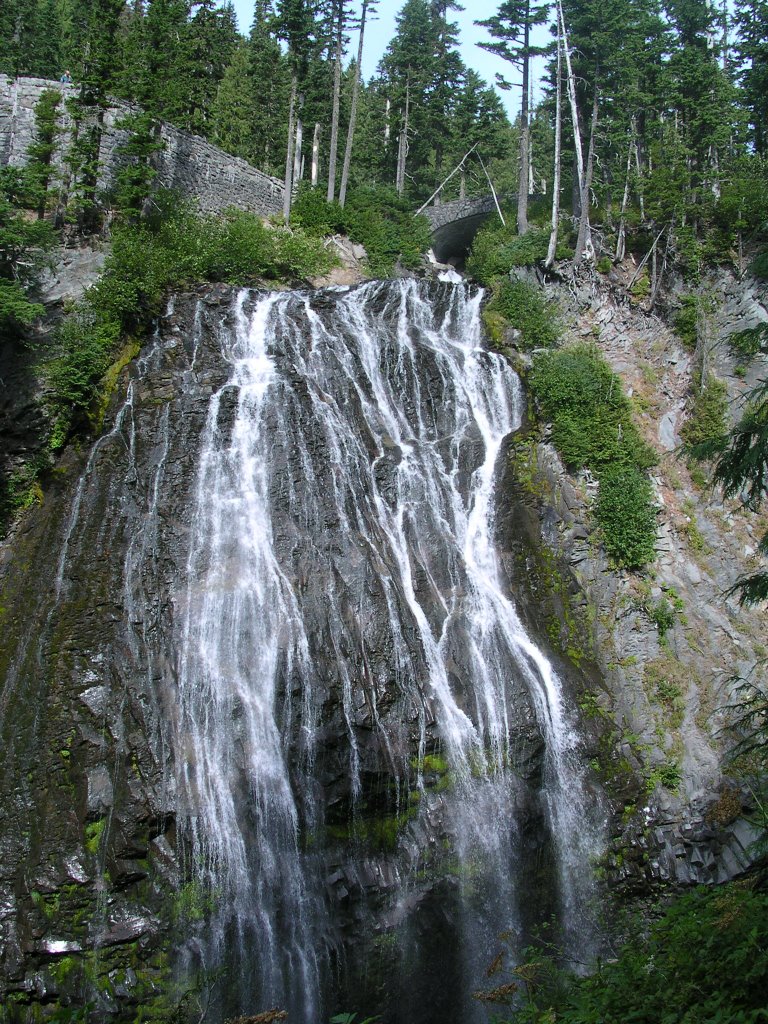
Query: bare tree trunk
584	238
579	153
639	171
297	164
402	149
523	184
552	248
621	238
353	111
387	122
463	183
339	5
316	156
289	154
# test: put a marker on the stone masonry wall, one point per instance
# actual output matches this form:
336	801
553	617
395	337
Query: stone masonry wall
187	163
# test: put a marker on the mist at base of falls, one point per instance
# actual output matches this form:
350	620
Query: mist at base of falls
372	767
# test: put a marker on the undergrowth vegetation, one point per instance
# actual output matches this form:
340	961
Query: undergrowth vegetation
592	428
702	962
99	334
145	262
523	306
707	421
497	249
375	216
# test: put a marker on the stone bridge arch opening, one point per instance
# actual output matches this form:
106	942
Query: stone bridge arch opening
455	224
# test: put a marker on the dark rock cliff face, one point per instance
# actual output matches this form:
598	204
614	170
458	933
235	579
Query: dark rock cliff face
269	737
291	663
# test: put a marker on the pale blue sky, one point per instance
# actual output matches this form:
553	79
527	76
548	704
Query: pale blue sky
379	33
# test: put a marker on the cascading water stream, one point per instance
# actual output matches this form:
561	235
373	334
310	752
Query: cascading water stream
342	543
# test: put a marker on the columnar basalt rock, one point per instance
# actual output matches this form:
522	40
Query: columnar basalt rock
186	163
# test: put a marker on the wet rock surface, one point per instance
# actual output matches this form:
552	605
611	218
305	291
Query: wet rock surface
98	877
657	700
100	868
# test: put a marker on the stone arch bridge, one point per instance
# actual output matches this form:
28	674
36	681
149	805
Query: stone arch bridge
455	224
198	169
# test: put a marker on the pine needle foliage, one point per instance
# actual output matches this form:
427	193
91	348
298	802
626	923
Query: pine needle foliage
592	428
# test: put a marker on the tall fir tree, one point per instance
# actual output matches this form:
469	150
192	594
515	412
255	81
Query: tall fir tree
232	120
752	52
511	29
269	76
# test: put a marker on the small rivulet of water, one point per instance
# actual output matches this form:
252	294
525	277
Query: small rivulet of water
343	619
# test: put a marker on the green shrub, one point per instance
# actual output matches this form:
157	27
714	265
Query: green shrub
578	393
497	249
583	399
377	217
235	247
749	342
662	615
16	310
707	422
381	220
525	307
686	322
316	216
626	515
604	265
702	962
666	774
759	266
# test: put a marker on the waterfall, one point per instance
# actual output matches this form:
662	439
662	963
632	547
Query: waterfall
343	620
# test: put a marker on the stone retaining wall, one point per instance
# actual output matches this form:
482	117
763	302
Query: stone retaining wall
186	163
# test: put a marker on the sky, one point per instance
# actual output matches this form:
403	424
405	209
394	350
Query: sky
379	33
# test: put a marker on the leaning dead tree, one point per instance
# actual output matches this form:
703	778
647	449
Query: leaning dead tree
552	248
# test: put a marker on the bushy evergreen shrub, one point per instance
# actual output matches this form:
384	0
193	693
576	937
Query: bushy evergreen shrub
686	322
497	249
315	215
707	422
578	393
704	961
377	217
144	263
525	307
583	399
701	962
625	513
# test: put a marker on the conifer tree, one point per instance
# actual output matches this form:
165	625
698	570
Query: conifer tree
132	52
39	170
98	22
422	71
477	119
232	113
206	48
752	50
296	25
160	77
269	79
511	28
367	7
